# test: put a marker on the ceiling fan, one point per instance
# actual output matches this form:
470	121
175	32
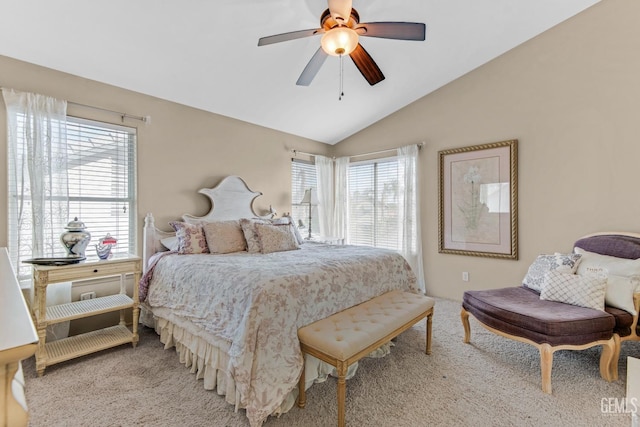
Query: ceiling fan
341	28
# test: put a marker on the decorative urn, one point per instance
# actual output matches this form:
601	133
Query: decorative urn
76	239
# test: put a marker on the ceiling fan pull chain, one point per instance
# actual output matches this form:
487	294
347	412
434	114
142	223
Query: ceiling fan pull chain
341	79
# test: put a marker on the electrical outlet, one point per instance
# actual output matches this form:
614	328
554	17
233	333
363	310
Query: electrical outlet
465	276
87	295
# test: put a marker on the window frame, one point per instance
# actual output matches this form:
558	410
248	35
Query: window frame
131	198
377	239
301	212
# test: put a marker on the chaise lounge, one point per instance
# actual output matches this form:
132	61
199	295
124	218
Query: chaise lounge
606	265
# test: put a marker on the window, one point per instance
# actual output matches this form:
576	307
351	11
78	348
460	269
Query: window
102	185
373	204
101	172
303	177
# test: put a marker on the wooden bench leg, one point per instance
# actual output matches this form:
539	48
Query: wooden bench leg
302	396
342	392
429	327
464	316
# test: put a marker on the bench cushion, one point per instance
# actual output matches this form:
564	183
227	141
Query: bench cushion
520	311
348	332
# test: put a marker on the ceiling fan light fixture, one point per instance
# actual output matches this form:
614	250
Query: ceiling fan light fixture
339	41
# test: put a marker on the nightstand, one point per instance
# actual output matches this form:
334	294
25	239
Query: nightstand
90	342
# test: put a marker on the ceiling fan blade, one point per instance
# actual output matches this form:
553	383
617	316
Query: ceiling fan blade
366	65
289	36
340	10
393	30
312	68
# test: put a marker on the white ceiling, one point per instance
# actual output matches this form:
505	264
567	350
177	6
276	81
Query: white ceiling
204	53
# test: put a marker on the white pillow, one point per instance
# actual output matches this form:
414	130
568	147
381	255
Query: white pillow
584	291
172	243
623	277
620	292
613	265
545	263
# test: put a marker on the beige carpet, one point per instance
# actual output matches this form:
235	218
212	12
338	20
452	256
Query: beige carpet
492	382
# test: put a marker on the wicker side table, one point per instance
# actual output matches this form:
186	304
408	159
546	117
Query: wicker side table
90	342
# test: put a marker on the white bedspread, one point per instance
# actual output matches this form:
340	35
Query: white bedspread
253	304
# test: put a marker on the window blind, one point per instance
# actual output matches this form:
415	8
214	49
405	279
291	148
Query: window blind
102	188
101	168
373	204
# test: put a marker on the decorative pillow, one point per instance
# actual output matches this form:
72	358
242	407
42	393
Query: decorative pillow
250	235
623	277
620	292
224	237
286	219
170	243
276	237
191	238
613	265
583	291
545	263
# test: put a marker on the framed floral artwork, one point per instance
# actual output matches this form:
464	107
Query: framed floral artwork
478	207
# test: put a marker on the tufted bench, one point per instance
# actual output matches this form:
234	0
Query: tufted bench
345	337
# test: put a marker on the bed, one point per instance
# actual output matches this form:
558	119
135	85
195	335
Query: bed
233	317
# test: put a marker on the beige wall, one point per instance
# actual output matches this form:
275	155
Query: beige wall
571	96
180	151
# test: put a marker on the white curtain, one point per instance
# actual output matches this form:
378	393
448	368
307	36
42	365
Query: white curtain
38	190
341	198
324	173
37	166
410	234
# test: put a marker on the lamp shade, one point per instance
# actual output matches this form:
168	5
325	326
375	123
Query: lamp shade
310	198
339	41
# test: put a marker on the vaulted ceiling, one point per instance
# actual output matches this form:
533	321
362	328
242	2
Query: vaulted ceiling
204	53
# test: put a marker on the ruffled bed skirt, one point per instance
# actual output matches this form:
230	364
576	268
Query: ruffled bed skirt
209	362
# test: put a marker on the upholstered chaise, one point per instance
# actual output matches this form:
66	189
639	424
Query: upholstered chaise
521	314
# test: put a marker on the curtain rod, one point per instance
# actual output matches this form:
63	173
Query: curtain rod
296	152
144	119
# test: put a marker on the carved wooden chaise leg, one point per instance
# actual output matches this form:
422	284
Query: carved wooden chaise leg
546	366
464	315
614	360
609	358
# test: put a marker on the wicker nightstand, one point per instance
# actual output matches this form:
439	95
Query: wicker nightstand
90	342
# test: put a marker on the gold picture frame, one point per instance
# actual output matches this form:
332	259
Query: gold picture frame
478	200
